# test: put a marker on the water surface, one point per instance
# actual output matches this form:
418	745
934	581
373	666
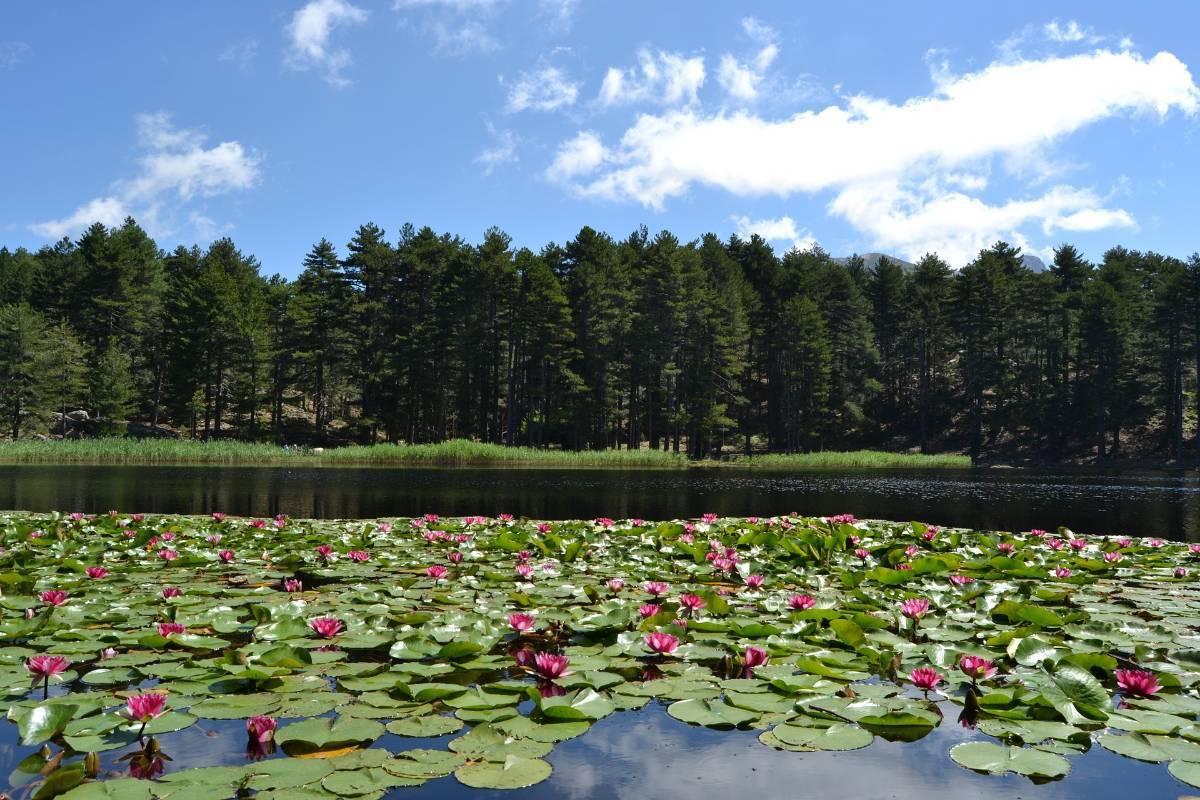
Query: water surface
1138	502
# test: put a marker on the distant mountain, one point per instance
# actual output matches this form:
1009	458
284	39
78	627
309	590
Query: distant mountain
871	260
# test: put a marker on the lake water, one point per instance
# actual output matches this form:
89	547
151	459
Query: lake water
1139	502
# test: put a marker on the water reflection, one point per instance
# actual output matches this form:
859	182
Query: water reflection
1150	503
646	754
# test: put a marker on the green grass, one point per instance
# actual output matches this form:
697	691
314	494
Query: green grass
857	459
456	452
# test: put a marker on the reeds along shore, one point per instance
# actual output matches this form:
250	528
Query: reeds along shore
457	452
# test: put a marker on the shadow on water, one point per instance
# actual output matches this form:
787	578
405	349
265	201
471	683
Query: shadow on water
1149	503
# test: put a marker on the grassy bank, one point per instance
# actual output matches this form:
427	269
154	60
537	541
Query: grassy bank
457	452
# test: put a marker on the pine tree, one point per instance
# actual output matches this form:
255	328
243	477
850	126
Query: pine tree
25	359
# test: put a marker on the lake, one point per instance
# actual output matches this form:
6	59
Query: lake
1162	503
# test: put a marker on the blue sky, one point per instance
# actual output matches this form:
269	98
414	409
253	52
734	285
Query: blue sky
858	126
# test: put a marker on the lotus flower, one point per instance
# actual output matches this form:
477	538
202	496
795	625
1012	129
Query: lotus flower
384	527
1124	541
656	588
218	516
615	584
925	678
754	657
1006	547
358	555
1055	544
691	602
261	729
293	585
977	668
226	556
324	551
801	602
167	554
214	539
96	573
1062	572
53	597
165	629
145	707
171	591
437	572
550	666
661	643
1137	683
520	622
1156	543
648	610
1077	544
326	627
1194	549
505	517
915	608
754	581
862	554
44	667
525	571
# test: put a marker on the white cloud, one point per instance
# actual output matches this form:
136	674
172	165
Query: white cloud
576	157
241	53
175	170
309	35
895	169
543	89
13	53
782	229
457	27
668	78
502	151
1071	32
741	80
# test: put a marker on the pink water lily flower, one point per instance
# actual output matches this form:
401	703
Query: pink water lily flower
1180	572
53	597
261	729
1062	572
1137	682
437	572
165	629
925	678
648	610
1113	557
915	608
862	554
977	668
661	643
551	666
358	555
213	539
455	557
520	622
754	581
324	551
145	707
326	627
96	573
171	591
218	516
801	602
1055	544
754	657
691	602
1006	547
656	588
1078	544
293	585
258	523
167	554
1194	549
615	584
44	667
226	556
524	571
843	519
961	580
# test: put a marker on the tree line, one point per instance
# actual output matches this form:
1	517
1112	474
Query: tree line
704	347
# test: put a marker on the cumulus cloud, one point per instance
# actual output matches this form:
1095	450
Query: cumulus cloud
175	170
659	77
502	151
742	79
781	229
310	33
895	168
542	89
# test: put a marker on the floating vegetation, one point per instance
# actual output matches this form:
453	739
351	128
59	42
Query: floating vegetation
500	638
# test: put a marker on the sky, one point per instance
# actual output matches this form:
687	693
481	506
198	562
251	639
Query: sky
858	126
